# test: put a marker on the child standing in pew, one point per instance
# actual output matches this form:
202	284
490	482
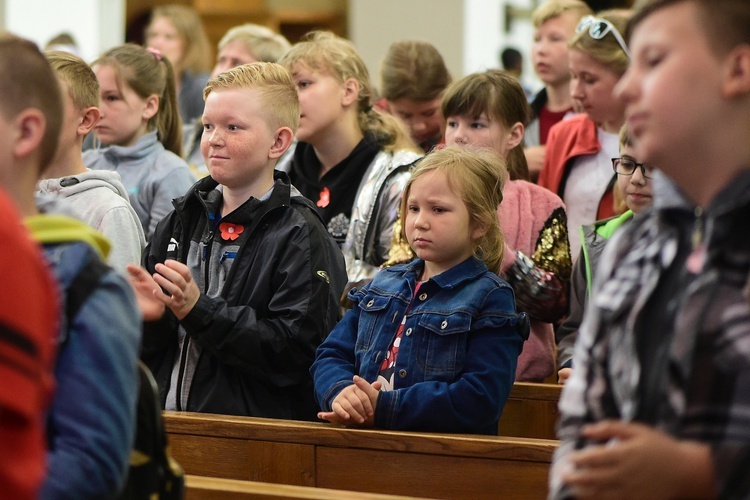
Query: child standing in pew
241	281
431	345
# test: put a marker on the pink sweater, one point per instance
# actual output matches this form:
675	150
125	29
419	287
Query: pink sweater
523	213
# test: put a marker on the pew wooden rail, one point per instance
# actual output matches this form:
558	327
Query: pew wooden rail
376	461
531	411
212	488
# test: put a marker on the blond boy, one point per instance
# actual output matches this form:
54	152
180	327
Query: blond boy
555	22
241	282
96	196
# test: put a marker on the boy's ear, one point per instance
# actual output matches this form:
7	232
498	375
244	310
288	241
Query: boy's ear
89	117
737	80
30	125
151	108
516	135
282	140
351	92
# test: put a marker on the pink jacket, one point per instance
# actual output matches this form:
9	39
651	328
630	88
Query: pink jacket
524	213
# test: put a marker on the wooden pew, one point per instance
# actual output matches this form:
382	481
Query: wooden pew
531	411
212	488
376	461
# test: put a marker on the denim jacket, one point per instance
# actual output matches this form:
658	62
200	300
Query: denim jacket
457	357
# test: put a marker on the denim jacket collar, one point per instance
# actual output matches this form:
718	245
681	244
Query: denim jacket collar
467	270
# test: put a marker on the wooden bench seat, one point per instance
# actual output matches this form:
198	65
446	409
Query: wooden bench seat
376	461
212	488
531	411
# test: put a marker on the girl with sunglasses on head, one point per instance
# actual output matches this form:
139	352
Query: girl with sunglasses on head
577	164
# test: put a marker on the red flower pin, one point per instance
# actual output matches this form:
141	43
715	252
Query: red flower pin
325	198
230	231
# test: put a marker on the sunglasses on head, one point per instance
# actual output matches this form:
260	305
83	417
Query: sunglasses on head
598	29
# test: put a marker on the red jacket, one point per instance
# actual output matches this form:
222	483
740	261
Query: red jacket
567	140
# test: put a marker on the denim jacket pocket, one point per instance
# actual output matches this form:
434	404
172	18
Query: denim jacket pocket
443	343
372	311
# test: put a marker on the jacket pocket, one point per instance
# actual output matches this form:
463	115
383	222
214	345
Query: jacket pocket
372	319
442	344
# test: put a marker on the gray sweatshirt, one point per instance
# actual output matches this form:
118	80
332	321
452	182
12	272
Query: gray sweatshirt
100	200
152	176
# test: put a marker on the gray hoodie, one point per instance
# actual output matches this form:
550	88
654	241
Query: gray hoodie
99	199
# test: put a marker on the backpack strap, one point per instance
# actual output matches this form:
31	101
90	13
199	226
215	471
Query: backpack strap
83	285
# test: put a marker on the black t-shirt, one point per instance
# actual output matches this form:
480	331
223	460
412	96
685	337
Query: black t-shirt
334	193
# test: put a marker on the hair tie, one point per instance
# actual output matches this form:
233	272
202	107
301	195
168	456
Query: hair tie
156	53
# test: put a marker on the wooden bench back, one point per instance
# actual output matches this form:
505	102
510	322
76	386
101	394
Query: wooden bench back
531	411
376	461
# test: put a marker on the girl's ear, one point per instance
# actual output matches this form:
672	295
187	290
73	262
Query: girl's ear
479	230
515	135
151	107
283	139
88	119
351	92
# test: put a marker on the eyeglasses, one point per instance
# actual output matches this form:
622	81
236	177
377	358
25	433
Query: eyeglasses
598	29
626	166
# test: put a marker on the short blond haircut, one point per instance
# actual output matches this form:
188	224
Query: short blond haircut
274	84
83	87
477	176
262	42
555	8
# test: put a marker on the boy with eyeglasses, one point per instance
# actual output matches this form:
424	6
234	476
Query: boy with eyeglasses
658	405
634	186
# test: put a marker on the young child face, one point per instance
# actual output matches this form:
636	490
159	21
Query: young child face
124	114
549	52
233	54
237	138
162	35
672	89
437	224
591	84
483	132
422	117
635	189
320	100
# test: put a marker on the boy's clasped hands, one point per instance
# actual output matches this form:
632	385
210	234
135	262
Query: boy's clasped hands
172	277
355	405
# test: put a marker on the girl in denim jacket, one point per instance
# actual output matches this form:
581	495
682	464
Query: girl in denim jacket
431	345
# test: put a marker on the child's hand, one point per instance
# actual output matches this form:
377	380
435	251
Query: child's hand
176	279
145	289
355	405
638	461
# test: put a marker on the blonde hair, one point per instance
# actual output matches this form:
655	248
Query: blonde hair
83	87
501	97
413	70
323	51
260	41
607	50
556	8
27	81
477	176
187	22
148	74
274	84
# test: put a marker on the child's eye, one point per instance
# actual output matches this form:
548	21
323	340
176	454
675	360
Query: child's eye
111	98
413	208
477	125
452	124
303	84
206	126
438	210
233	127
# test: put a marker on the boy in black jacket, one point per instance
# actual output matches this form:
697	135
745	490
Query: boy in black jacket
241	281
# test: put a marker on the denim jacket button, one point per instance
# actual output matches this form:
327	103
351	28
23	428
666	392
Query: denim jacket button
422	296
444	324
402	373
370	304
408	332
